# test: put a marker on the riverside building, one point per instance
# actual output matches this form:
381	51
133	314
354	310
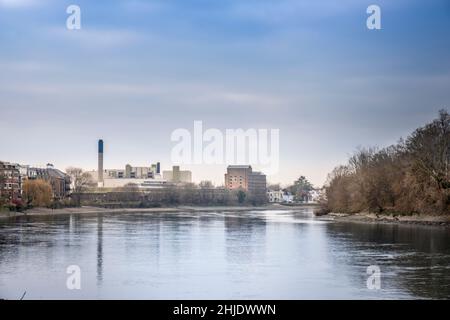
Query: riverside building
147	177
243	177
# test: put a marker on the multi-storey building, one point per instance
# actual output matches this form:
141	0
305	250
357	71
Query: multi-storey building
243	177
257	185
115	178
177	176
13	177
59	181
10	181
237	177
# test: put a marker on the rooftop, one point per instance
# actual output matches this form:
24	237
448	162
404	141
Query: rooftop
239	167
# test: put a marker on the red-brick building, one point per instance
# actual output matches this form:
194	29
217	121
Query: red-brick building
10	181
243	177
59	181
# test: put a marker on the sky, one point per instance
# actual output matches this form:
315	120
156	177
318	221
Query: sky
138	70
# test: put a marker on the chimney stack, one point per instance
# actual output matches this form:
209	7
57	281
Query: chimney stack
100	163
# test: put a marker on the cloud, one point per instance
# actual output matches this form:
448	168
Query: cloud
239	98
197	96
86	89
143	6
26	66
96	37
279	11
19	3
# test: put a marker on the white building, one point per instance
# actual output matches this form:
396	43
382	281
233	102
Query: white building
177	176
143	177
315	195
280	196
140	183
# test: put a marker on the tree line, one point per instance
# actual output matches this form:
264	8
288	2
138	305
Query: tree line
203	194
410	177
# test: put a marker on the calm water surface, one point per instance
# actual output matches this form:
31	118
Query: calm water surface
220	255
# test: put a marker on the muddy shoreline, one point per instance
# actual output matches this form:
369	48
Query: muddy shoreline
96	210
425	220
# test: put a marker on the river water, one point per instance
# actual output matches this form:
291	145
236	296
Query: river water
220	255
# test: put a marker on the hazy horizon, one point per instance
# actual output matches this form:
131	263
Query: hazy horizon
137	70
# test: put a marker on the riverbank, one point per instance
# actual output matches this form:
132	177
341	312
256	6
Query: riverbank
86	210
428	220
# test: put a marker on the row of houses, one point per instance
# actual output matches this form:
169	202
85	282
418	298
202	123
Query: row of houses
280	196
243	177
284	196
14	175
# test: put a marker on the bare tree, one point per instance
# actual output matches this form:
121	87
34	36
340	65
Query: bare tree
130	187
80	181
410	177
274	187
430	149
206	184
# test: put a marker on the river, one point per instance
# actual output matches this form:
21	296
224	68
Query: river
220	255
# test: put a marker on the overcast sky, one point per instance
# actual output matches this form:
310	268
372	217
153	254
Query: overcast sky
137	70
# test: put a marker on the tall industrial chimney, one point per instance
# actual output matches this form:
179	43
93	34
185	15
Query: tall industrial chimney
100	163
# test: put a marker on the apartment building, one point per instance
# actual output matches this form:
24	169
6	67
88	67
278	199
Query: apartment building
243	177
10	181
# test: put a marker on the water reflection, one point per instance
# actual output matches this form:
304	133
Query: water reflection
223	255
99	249
245	239
413	258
